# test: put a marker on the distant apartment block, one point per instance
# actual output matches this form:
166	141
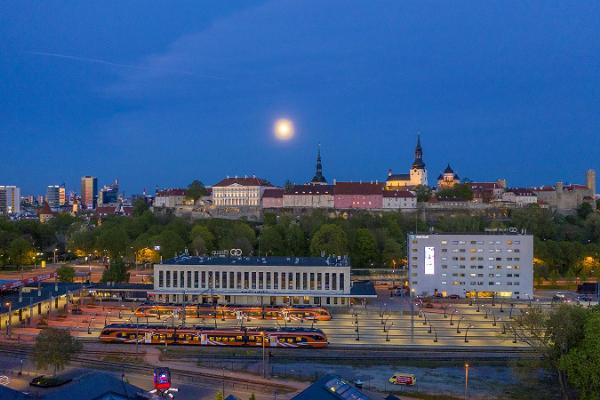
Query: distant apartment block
169	198
469	265
10	200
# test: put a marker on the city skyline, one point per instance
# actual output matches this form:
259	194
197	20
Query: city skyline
497	92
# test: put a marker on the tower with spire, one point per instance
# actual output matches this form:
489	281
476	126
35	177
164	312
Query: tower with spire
319	179
417	175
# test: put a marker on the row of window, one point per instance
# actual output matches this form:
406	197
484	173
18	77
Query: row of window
251	280
475	283
480	242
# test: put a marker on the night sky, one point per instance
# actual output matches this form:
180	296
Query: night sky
163	92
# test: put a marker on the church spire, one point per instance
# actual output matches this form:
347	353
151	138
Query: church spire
319	179
418	163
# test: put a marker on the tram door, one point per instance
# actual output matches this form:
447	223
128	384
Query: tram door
147	337
203	339
273	341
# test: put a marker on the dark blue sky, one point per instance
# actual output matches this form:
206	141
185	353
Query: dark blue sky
160	93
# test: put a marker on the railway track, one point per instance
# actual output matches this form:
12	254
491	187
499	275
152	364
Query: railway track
202	379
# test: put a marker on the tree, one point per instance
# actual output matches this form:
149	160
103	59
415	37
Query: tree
393	253
553	334
271	241
195	190
170	243
66	273
582	363
116	272
364	250
584	210
54	348
20	252
201	231
113	240
461	191
295	240
140	207
423	193
329	239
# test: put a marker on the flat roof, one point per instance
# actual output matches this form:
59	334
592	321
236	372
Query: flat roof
261	261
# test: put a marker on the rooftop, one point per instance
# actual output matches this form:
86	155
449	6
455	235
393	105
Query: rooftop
331	387
261	261
360	188
245	181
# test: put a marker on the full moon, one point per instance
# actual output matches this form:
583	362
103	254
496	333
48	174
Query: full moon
284	129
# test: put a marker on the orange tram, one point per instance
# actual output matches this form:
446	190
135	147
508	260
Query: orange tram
208	336
235	311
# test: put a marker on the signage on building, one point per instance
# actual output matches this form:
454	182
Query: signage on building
429	260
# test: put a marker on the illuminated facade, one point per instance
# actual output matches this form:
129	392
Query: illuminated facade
448	179
416	177
89	192
10	200
257	280
471	265
239	192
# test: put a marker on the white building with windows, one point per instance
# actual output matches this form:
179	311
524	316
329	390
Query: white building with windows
10	200
258	281
239	192
481	265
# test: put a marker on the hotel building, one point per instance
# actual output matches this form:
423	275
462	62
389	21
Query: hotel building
482	265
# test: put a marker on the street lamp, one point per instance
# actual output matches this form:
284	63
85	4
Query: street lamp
466	381
452	316
264	370
387	334
90	326
8	321
467	333
458	326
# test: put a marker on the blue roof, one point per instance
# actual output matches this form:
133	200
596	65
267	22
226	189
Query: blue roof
331	387
47	291
363	288
261	261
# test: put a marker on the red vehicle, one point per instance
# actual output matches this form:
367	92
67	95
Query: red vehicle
403	379
208	336
235	311
162	378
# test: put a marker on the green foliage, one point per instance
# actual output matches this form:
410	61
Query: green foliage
272	242
392	253
195	190
582	363
201	231
19	252
364	250
423	193
111	240
460	192
584	210
140	207
116	272
54	348
170	243
66	273
328	240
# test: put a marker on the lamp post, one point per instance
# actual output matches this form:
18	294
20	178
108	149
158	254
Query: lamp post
387	334
452	316
137	333
466	381
467	333
90	326
8	321
458	326
264	369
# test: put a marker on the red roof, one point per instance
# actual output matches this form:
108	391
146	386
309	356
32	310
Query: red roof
45	209
361	188
311	189
543	189
576	187
252	181
106	210
273	193
171	192
521	192
398	193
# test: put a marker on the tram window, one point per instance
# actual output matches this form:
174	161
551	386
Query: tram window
298	339
238	338
251	338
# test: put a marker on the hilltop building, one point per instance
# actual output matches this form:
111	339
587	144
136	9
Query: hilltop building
416	177
239	192
448	179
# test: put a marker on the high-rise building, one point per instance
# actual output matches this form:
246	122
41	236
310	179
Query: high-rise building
89	192
109	194
10	200
53	197
62	195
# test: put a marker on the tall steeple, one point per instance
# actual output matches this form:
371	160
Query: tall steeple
319	179
418	163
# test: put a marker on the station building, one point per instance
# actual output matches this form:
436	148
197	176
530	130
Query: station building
322	281
471	265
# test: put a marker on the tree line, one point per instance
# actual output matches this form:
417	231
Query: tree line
564	245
